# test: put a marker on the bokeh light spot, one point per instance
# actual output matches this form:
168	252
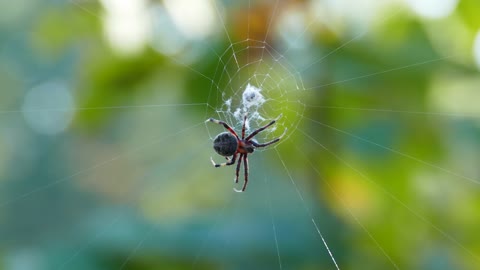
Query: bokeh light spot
195	19
48	108
433	9
127	25
476	49
166	38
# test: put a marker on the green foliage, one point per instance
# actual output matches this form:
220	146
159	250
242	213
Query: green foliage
384	158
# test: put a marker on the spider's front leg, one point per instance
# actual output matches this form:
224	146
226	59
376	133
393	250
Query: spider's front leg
266	144
270	142
228	163
225	125
260	130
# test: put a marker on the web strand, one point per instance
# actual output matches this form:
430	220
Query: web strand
154	226
320	60
155	187
308	211
393	197
346	43
398	152
382	250
225	30
268	202
106	108
383	72
219	89
96	166
80	6
267	32
89	243
205	239
376	110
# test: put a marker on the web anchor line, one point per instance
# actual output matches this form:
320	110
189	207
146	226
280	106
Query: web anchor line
400	202
475	181
308	211
268	202
346	207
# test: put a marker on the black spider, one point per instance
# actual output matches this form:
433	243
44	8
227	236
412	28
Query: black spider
229	144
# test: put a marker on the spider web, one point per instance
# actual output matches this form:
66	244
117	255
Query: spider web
256	81
277	89
262	89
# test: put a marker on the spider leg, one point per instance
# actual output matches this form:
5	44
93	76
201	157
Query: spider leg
243	127
245	165
225	125
228	163
268	143
260	130
265	144
237	171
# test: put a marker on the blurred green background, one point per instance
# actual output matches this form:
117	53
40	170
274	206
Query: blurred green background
104	153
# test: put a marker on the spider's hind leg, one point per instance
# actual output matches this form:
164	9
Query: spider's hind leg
245	166
228	163
237	171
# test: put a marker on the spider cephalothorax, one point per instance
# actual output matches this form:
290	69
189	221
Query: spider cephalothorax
229	144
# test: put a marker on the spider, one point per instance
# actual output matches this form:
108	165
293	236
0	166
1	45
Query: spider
229	144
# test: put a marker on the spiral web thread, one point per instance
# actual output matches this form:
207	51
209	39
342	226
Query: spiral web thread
254	79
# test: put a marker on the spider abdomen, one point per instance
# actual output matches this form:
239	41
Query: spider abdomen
225	144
